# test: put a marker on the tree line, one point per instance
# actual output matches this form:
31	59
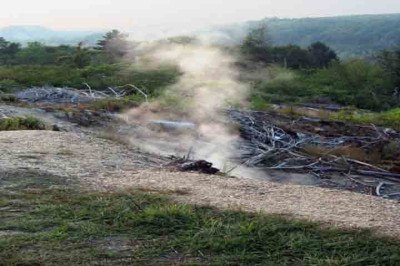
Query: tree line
114	46
295	74
316	73
258	48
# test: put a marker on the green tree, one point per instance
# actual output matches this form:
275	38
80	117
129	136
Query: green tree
321	54
81	57
34	54
256	46
390	61
291	56
8	51
114	44
354	82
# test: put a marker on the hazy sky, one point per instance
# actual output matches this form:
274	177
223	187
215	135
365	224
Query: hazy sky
125	14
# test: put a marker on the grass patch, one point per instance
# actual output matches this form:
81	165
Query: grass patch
390	118
21	123
58	226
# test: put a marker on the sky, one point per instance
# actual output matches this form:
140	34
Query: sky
179	14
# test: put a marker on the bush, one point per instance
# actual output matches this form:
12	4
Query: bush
281	86
8	85
8	98
354	83
99	77
258	103
19	123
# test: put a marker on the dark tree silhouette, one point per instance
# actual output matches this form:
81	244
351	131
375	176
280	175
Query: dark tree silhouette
8	51
321	54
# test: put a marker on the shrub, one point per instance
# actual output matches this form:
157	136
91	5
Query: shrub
354	82
19	123
8	98
99	77
8	85
258	103
281	85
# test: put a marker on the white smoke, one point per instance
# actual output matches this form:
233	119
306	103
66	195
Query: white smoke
208	84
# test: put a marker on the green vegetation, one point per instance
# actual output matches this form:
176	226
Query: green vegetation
59	226
257	48
20	123
99	77
350	83
293	74
349	36
315	74
114	45
101	67
390	118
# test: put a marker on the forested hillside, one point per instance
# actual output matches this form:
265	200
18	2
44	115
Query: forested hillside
348	35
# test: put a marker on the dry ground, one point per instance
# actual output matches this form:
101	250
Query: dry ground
100	164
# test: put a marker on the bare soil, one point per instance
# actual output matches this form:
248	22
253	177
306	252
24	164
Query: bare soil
100	164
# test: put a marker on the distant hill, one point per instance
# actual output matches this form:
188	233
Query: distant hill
24	34
359	35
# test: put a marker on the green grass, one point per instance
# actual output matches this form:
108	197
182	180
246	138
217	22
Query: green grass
390	118
45	222
21	123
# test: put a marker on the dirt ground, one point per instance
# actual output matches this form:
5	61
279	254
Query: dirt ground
101	164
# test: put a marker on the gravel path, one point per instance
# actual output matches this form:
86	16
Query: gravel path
100	164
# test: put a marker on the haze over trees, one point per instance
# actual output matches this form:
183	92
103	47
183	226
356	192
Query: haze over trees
257	47
37	64
114	45
349	36
292	73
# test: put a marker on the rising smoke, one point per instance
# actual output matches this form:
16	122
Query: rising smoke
208	84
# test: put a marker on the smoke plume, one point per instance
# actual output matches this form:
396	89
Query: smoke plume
208	84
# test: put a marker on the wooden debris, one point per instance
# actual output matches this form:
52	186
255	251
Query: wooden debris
268	145
200	166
